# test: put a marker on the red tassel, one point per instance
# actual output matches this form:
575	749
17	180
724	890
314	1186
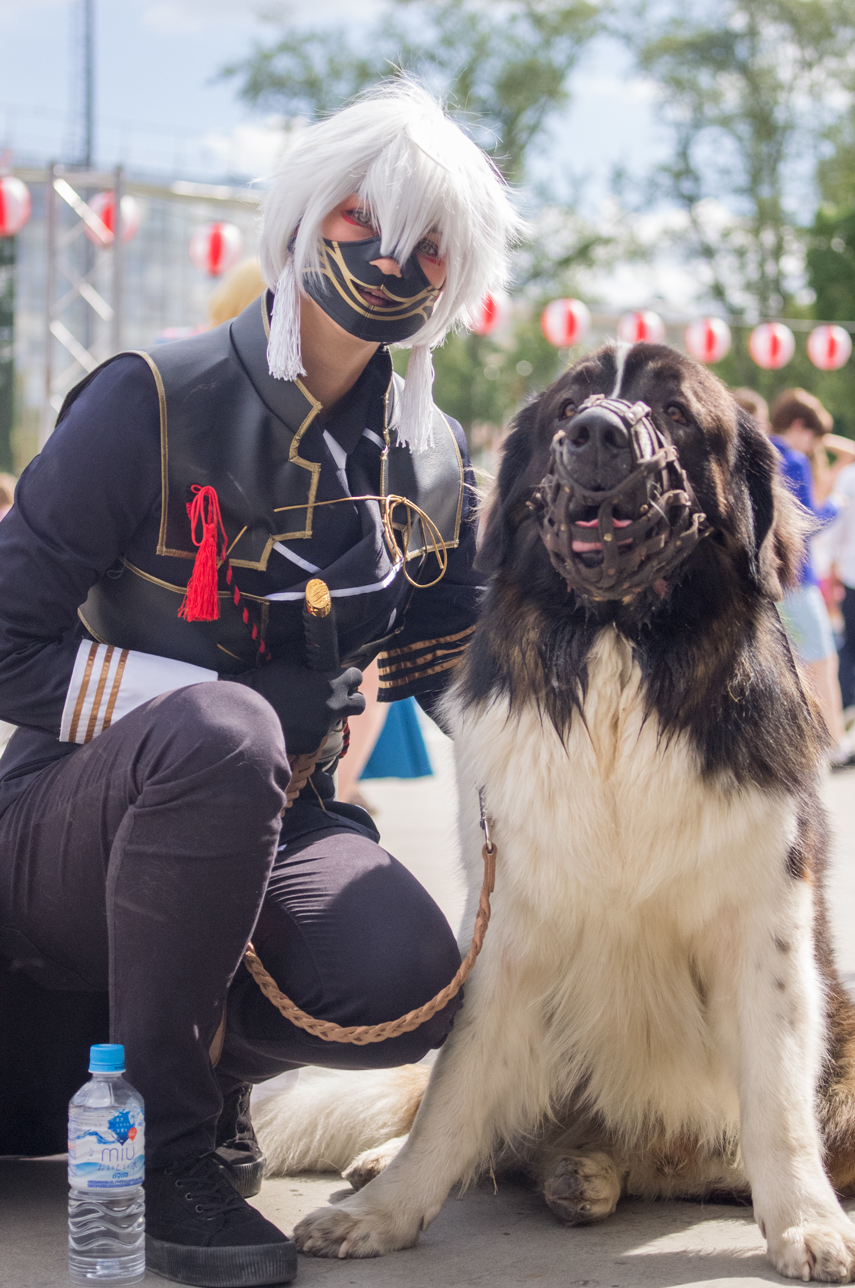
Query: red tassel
201	602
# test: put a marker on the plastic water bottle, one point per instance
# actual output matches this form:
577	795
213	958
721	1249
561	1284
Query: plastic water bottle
106	1163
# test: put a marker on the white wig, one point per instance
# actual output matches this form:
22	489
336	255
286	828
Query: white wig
417	172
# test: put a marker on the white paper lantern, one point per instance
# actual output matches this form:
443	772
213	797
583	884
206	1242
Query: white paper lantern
493	311
829	347
771	345
215	248
104	206
15	205
642	327
707	339
564	322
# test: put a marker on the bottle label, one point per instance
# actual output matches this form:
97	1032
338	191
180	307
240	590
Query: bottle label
106	1148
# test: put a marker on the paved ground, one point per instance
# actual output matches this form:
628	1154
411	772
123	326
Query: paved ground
501	1239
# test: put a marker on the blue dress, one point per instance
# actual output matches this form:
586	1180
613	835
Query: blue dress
400	751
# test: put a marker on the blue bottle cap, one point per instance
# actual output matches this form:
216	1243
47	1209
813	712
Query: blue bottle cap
107	1057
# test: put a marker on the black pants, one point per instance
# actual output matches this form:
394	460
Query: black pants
846	652
143	863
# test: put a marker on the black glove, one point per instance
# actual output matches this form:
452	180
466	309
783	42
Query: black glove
308	703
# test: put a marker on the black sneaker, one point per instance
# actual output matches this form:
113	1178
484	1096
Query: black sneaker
200	1231
236	1148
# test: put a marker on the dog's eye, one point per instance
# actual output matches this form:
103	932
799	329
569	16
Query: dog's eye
567	409
677	413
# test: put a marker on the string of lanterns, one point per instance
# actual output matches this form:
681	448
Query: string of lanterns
492	313
214	247
565	322
15	205
104	206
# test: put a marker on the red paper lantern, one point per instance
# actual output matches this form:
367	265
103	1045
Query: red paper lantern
564	322
642	327
771	345
829	347
15	205
215	248
707	339
492	312
104	206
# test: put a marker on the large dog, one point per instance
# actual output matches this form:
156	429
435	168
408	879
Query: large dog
655	1011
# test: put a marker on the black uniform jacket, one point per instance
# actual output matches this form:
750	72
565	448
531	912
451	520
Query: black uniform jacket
96	553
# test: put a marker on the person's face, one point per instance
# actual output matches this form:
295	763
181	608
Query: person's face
350	221
800	437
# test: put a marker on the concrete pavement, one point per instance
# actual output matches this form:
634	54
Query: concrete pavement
496	1239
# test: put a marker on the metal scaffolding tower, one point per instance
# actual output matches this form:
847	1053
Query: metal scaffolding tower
89	313
67	216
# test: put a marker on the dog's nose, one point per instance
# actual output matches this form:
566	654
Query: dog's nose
596	450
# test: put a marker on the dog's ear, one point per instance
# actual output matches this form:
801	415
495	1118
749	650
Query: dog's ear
505	506
781	524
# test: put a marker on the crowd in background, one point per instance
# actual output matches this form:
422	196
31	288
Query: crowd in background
819	614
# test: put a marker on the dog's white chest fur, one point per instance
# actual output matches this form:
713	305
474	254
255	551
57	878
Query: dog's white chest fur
620	874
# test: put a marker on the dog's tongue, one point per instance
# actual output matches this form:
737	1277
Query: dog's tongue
581	547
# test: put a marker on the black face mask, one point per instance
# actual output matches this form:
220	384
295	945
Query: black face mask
345	267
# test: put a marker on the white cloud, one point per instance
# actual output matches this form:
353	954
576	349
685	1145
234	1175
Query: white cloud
632	88
11	11
251	149
187	17
669	287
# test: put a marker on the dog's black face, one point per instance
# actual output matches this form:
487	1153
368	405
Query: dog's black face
731	467
705	632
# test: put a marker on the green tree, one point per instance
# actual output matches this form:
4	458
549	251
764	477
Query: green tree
503	68
831	240
743	87
831	264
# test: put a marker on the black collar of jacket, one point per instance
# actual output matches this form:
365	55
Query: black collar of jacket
290	400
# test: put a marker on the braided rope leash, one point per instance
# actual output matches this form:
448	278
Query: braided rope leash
364	1034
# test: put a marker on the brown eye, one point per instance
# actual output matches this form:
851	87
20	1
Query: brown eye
567	410
676	413
361	217
429	249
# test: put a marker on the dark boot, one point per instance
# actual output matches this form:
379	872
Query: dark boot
200	1231
236	1149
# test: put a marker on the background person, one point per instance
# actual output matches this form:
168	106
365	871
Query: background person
755	404
841	552
240	286
798	420
818	440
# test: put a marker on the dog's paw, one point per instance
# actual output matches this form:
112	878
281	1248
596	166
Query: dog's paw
337	1232
372	1162
822	1250
580	1187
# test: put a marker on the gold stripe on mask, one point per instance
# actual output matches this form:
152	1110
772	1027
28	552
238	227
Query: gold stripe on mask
415	305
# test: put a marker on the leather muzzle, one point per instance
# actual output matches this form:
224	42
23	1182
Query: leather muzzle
614	542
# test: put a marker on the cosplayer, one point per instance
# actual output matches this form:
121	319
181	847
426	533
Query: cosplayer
162	543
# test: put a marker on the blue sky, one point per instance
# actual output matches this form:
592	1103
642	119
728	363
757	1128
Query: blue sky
160	107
